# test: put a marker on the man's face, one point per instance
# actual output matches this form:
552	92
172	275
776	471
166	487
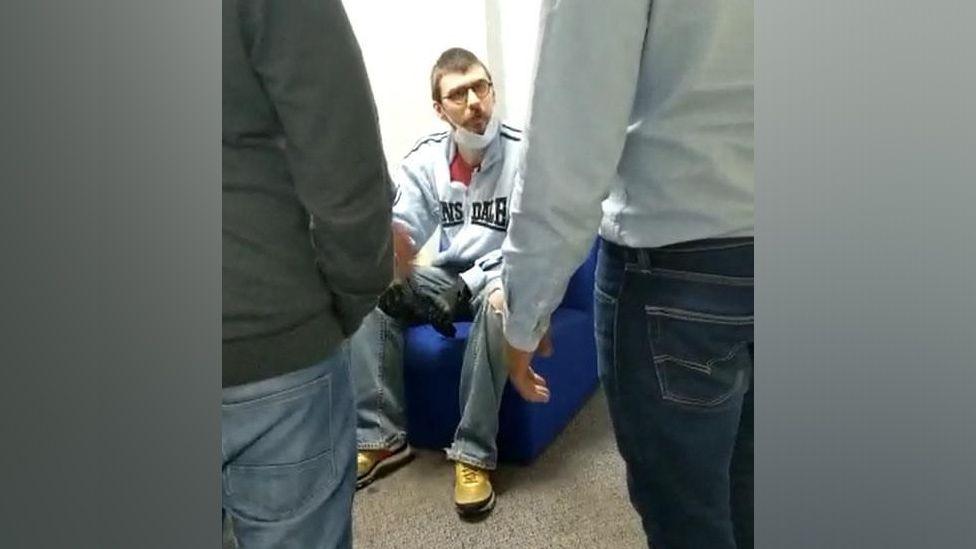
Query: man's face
461	104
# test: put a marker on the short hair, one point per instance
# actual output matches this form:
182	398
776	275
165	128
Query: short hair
452	60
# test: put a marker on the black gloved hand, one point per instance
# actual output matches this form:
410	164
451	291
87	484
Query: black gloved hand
436	311
439	310
463	292
395	300
404	302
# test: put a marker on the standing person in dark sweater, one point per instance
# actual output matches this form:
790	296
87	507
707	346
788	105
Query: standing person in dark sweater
307	249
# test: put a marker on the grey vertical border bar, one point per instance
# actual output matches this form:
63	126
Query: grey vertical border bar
866	274
111	274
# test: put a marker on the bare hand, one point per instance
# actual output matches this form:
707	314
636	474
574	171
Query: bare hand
530	385
404	252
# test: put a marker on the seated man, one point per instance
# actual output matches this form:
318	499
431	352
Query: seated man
461	181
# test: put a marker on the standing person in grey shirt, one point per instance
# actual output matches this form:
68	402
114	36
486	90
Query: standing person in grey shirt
306	252
641	129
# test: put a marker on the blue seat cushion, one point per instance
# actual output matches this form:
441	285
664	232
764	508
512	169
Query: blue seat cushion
432	373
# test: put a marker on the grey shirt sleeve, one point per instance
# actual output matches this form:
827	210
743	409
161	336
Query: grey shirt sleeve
308	60
588	63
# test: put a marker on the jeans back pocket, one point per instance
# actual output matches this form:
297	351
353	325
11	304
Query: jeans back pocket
701	359
268	493
290	464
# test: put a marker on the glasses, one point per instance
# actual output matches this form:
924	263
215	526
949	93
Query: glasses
459	95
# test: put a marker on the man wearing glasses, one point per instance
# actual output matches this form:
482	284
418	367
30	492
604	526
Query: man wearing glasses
461	181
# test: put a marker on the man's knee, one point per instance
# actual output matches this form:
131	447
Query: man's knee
492	313
494	299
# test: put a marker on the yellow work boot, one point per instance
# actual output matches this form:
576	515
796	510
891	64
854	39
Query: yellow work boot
473	494
370	464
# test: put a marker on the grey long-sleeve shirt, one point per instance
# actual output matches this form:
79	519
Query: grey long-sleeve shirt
300	142
646	108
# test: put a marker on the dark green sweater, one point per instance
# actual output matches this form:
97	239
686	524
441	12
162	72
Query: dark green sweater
306	193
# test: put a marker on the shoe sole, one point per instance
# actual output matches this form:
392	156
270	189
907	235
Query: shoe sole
387	465
474	510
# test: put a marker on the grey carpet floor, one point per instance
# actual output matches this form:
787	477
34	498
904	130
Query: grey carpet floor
573	496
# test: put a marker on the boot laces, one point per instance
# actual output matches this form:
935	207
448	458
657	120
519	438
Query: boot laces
469	474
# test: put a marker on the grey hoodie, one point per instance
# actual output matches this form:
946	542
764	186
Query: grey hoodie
473	219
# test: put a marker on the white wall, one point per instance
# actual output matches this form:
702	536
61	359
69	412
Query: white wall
512	34
402	39
400	42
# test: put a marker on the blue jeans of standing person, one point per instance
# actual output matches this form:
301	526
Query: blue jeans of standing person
288	445
674	330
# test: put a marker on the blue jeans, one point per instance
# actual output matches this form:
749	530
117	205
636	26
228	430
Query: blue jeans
288	448
675	340
377	360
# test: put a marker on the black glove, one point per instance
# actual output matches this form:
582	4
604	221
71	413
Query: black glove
463	292
393	301
403	301
437	312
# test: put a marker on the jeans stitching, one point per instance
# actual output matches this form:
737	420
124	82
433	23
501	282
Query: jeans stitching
667	394
695	316
706	403
605	295
655	312
297	506
460	456
724	280
332	416
389	443
706	367
289	393
380	404
616	328
609	301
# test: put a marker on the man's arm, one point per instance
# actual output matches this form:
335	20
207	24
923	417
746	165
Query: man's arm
307	57
415	206
586	78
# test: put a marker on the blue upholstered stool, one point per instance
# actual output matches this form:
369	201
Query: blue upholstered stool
432	373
